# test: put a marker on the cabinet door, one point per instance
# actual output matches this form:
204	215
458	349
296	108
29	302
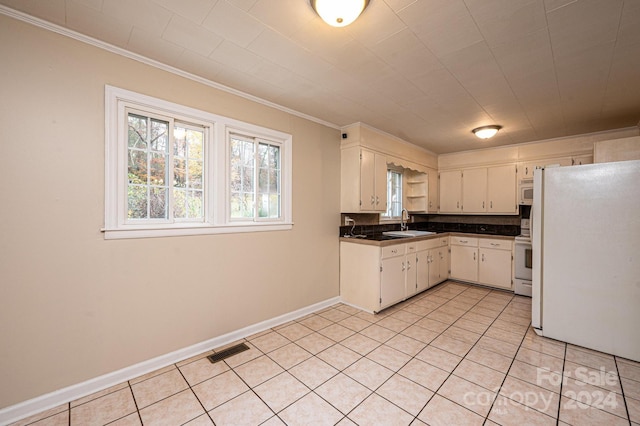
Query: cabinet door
474	191
380	183
525	170
464	263
392	288
367	180
422	270
432	191
582	159
434	267
411	275
450	191
443	255
495	267
501	189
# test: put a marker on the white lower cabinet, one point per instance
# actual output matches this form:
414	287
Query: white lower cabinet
392	275
437	259
464	259
487	261
374	278
495	262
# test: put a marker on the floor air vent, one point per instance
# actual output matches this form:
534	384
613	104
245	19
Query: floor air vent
229	352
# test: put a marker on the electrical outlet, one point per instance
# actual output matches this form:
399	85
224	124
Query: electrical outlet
348	221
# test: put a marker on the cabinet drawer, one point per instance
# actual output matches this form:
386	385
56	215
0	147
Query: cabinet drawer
495	244
411	247
394	250
428	244
464	241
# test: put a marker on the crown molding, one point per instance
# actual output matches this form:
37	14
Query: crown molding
41	23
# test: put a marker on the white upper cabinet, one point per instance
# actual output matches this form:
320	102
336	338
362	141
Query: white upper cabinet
434	199
623	149
481	190
474	190
502	189
363	181
451	191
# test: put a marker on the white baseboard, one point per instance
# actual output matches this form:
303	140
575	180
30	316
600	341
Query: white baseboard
39	404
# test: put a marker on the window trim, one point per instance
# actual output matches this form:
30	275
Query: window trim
216	179
394	219
257	139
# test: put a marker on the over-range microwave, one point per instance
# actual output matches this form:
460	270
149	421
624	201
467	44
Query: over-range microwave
525	191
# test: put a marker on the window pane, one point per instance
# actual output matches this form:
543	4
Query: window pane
137	131
147	168
179	203
179	141
158	203
251	198
159	135
274	182
236	205
248	205
158	169
195	174
263	180
394	194
136	202
274	157
195	206
247	179
179	173
137	169
195	140
274	206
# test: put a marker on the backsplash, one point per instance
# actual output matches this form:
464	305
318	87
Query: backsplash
490	225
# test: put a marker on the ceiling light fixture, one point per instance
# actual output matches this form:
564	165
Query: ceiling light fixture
339	13
486	132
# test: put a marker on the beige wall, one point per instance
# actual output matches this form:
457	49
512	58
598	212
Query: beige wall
74	306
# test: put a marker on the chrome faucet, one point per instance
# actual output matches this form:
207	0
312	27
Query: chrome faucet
403	221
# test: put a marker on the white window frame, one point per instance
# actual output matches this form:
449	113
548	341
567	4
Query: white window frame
216	179
383	216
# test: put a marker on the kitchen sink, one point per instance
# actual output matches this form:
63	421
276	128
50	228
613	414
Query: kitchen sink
407	233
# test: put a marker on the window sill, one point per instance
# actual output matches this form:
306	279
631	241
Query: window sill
117	234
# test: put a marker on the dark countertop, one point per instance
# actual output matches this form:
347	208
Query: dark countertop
384	240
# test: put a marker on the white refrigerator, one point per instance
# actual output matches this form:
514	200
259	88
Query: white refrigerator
586	256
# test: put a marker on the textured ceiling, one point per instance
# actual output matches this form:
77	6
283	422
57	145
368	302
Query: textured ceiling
427	71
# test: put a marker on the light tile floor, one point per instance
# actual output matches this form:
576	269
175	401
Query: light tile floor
455	354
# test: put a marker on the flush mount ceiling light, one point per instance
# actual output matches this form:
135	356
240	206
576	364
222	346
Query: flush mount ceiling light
339	13
486	132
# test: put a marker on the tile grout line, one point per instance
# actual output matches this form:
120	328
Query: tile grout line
134	402
440	334
486	418
194	394
461	358
624	400
564	362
